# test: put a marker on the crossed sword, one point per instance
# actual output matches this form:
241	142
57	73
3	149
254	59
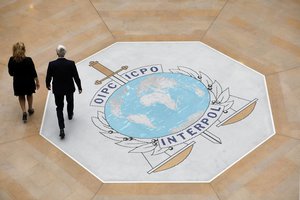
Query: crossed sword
121	80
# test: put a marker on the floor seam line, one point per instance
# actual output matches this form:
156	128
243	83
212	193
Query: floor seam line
3	143
289	136
97	191
102	20
213	21
214	191
273	73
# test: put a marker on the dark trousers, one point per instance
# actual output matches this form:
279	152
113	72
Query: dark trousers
59	101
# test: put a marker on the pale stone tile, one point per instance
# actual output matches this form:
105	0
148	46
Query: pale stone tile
40	175
294	156
47	25
5	195
142	20
284	92
56	190
58	161
263	174
14	189
80	195
156	191
261	40
37	169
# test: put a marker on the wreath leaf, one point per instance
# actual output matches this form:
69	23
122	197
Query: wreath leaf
143	149
159	150
114	136
206	80
224	96
212	96
99	124
102	119
191	72
216	89
130	144
179	71
227	105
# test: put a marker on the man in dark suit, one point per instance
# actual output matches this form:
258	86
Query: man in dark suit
63	72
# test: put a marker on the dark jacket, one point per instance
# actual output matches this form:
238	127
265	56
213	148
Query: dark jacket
24	74
62	72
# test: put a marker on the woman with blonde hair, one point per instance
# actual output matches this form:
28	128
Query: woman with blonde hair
25	79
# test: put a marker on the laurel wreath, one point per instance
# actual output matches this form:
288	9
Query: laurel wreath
218	97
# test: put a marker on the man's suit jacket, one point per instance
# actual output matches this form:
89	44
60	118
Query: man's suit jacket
62	72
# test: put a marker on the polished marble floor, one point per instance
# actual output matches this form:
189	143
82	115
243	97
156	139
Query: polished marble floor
263	35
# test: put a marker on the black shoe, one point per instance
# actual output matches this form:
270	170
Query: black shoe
30	111
24	117
70	116
62	134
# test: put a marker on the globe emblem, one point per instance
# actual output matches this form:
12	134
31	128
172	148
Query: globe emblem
156	105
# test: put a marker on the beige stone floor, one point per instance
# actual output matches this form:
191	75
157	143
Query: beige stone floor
263	34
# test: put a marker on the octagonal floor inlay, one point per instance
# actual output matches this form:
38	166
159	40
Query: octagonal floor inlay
162	112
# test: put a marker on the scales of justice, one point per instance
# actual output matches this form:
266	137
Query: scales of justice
174	155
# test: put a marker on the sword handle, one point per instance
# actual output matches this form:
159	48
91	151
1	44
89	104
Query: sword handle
101	68
104	70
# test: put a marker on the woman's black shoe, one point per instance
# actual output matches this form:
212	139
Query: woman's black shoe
24	118
30	111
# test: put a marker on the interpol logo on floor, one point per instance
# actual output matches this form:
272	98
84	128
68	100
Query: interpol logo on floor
136	107
186	119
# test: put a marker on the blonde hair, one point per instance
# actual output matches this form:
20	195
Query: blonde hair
19	51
